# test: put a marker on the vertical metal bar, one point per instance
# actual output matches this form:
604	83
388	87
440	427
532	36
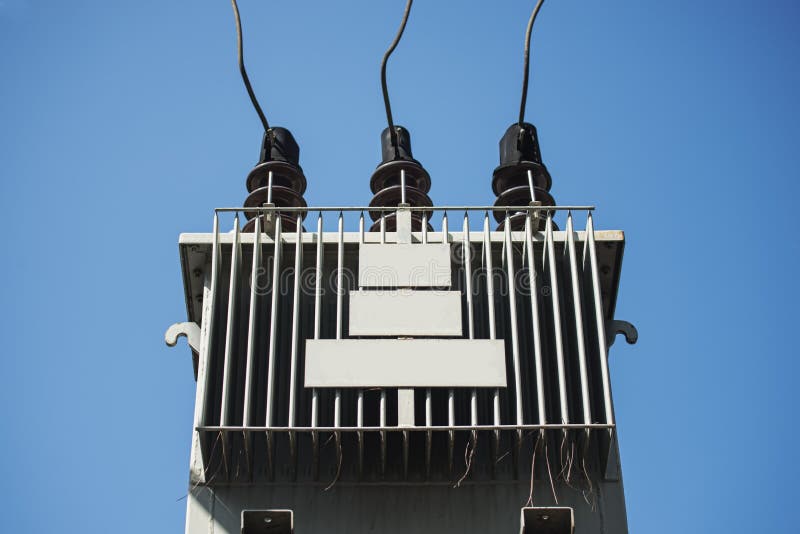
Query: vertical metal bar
554	299
317	327
512	303
360	398
251	326
405	396
537	329
298	266
251	343
215	261
530	185
402	186
467	249
337	401
487	246
230	326
598	310
273	328
273	337
428	434
576	300
382	422
337	415
269	192
451	397
405	407
360	423
382	403
473	396
199	464
428	395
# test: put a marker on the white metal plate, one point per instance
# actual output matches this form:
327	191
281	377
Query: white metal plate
343	363
405	312
404	265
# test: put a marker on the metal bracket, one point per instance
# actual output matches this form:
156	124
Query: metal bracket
189	330
403	218
535	215
268	219
267	522
405	397
621	327
547	520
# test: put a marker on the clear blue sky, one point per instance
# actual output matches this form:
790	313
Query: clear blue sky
125	123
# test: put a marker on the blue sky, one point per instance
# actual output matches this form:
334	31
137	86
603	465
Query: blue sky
125	123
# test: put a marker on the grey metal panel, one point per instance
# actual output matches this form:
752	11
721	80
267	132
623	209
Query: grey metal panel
405	313
439	509
397	363
404	265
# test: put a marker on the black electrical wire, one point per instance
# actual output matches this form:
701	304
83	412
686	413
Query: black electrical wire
527	61
388	53
246	80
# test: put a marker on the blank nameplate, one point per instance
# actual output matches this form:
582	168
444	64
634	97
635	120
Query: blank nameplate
404	265
405	363
405	312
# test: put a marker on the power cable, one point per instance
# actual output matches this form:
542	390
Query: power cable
527	61
245	78
388	53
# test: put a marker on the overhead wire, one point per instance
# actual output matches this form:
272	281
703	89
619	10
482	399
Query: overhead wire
525	72
243	71
386	103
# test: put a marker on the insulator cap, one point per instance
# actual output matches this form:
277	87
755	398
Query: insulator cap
388	172
520	156
403	150
519	153
280	155
520	143
280	146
